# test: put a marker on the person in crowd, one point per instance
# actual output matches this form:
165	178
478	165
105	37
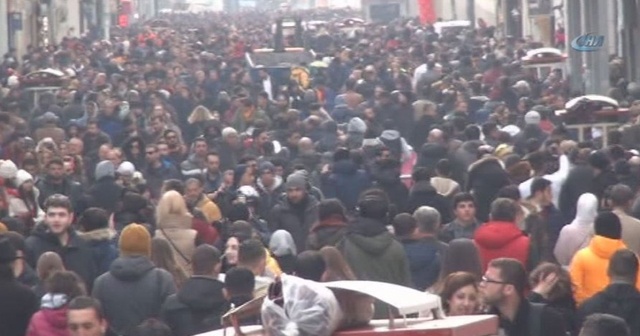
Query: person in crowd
54	182
331	226
603	325
253	256
56	234
500	237
100	237
196	199
133	289
174	223
344	179
296	213
459	294
424	251
157	170
310	265
486	177
270	187
577	234
24	203
25	274
620	298
502	288
551	285
105	192
196	164
48	263
588	267
239	283
538	162
198	306
462	255
369	248
464	224
14	317
442	180
212	178
621	197
423	193
51	319
283	249
163	257
85	317
542	200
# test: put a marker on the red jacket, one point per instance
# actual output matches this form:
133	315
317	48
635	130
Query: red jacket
501	240
49	322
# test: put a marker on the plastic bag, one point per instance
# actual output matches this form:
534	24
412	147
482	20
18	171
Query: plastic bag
306	308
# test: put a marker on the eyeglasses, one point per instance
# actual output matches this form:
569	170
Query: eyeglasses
487	280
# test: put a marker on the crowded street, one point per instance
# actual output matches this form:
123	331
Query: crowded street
319	171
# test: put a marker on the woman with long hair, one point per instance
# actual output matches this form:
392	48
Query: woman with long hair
174	223
337	268
51	319
357	308
163	257
460	294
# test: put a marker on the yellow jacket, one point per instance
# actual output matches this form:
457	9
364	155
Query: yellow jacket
589	266
209	209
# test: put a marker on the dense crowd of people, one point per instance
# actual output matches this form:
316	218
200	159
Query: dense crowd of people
167	181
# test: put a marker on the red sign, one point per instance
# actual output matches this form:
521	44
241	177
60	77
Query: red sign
123	20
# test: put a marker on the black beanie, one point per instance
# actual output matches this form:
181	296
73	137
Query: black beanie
607	224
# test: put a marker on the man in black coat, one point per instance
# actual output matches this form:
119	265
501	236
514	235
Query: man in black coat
19	303
620	298
55	234
200	303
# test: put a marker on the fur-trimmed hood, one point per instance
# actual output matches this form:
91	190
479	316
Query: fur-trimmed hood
98	235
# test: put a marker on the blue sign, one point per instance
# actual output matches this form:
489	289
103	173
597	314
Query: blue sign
587	42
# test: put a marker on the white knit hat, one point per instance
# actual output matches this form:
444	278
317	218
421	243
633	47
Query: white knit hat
8	169
22	176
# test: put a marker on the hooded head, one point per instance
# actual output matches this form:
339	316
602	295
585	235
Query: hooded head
282	244
135	240
105	169
587	209
607	224
22	176
8	169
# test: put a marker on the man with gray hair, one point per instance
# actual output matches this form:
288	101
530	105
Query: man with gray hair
424	250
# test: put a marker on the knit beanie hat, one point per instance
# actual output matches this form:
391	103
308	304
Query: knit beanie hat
135	240
297	181
607	224
104	169
8	169
126	168
22	176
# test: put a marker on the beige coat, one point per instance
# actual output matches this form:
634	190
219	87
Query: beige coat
630	230
182	238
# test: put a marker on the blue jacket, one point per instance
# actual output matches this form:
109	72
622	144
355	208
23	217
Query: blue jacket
425	258
103	247
345	182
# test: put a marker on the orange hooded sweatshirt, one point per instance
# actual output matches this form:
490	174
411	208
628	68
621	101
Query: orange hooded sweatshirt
589	266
